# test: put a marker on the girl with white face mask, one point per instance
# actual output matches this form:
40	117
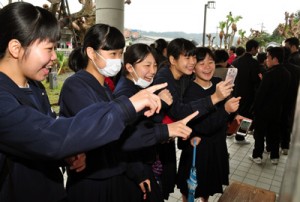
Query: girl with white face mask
104	179
142	71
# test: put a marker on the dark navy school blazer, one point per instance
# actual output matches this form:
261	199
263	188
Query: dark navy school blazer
32	139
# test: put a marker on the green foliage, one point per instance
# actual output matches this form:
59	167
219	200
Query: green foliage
222	25
61	61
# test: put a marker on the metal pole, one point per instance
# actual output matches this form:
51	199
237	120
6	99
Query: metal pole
204	26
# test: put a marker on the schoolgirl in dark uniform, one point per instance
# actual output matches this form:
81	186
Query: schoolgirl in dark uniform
182	60
32	139
140	66
209	132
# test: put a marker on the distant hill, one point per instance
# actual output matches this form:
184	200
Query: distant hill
190	36
195	37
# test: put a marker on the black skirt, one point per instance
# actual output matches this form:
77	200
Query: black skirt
167	156
113	189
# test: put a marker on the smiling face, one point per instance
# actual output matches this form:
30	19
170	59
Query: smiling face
184	65
35	61
145	69
204	70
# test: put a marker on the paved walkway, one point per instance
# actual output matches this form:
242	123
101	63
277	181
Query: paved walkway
242	169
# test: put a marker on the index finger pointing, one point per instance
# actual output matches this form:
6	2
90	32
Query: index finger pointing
190	117
156	87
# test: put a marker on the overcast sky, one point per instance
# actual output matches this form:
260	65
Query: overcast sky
188	15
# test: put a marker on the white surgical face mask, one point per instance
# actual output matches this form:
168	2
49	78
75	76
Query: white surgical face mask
141	82
112	68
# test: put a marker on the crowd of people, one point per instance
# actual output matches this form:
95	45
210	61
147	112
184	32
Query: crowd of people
117	142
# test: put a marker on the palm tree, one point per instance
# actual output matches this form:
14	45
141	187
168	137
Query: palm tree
222	25
230	23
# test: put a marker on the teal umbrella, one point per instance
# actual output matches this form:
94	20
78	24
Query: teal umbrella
192	181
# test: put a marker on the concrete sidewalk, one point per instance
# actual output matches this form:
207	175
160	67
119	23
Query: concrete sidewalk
242	169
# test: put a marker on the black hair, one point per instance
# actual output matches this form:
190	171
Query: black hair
201	53
287	53
251	44
136	53
180	46
261	57
293	41
221	55
233	49
160	45
276	52
26	23
239	51
99	36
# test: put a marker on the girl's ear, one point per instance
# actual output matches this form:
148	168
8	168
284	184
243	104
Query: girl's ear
172	60
14	48
90	53
129	67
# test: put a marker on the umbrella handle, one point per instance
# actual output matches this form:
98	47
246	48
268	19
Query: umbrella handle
194	153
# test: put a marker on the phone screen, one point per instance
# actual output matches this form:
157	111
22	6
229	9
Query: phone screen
244	127
231	74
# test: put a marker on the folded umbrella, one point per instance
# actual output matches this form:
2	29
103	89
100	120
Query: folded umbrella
192	181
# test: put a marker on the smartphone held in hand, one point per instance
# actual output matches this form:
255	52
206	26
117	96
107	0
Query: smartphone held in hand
231	74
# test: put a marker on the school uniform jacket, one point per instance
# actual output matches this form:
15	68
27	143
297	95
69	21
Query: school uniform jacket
271	94
211	160
32	139
82	90
246	83
140	161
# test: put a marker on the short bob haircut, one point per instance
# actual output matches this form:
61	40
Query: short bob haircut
180	46
201	53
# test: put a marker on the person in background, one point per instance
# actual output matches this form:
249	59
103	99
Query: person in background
33	140
261	58
209	133
160	45
221	61
239	51
268	105
289	107
246	83
293	45
182	61
232	55
103	179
